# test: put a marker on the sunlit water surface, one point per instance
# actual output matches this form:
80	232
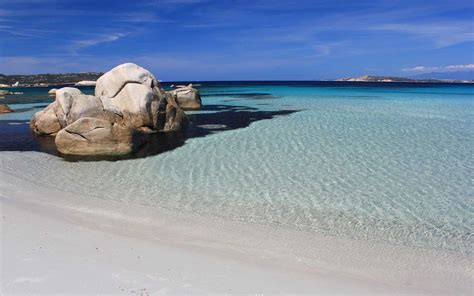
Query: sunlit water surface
390	163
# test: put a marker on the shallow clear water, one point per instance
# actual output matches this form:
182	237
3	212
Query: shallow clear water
392	164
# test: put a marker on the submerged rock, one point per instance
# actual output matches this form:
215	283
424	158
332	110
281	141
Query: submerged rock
128	103
4	92
5	109
187	97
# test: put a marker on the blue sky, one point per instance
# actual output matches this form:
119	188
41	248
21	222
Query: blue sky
238	40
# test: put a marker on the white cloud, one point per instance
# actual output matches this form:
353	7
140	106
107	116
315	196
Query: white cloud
468	67
441	34
450	68
420	69
103	38
324	49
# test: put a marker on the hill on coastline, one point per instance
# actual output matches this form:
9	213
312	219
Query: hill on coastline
73	78
48	79
367	78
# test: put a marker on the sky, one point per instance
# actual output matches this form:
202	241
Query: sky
239	39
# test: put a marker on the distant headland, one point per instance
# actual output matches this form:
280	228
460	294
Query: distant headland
45	80
367	78
89	78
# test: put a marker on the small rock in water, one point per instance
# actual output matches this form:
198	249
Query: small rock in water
4	92
187	97
5	109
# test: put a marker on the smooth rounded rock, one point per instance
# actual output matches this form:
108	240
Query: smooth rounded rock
92	136
128	103
5	109
112	82
188	98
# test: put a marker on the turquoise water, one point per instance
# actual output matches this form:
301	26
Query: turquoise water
383	162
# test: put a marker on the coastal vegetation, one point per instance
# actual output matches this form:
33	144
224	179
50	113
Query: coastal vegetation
45	80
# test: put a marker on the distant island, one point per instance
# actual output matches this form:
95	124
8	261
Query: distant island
45	80
367	78
89	78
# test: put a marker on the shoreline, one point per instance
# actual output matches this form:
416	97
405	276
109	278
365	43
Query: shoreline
292	261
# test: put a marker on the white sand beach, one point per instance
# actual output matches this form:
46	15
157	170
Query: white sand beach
251	147
55	242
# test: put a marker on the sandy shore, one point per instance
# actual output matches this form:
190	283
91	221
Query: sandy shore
57	242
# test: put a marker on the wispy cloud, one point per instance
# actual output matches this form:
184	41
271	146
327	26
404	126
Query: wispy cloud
103	38
442	34
324	49
179	1
244	37
450	68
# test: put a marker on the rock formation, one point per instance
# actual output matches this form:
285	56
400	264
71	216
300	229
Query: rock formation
188	98
128	103
4	92
52	92
5	109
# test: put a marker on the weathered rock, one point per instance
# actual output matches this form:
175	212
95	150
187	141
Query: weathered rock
135	103
64	97
52	92
5	109
112	82
85	106
55	116
136	93
45	122
92	136
128	103
71	105
175	116
188	98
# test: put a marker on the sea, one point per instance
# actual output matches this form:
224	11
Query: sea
378	162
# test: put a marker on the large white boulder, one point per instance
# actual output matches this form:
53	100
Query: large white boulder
46	122
128	102
52	92
85	106
135	103
112	82
64	99
93	136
